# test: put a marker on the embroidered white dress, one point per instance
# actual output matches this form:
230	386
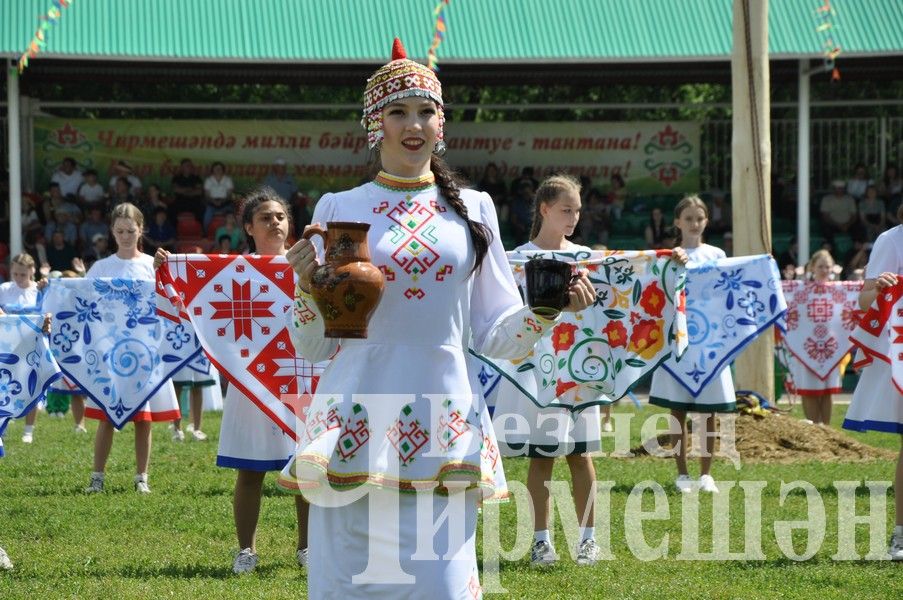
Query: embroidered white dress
718	395
877	404
429	425
551	431
248	439
162	406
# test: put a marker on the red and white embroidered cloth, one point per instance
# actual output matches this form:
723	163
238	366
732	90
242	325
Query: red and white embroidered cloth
880	333
819	320
237	306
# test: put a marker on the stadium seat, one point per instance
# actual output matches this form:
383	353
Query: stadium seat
189	228
215	223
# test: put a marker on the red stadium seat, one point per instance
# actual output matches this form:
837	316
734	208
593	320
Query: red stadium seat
215	223
189	228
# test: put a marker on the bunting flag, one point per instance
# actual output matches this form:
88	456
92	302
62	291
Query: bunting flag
825	28
438	35
820	318
730	301
27	367
108	340
596	356
880	333
39	40
237	306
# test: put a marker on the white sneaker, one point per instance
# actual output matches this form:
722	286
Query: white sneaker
245	562
707	484
96	484
301	557
198	435
178	435
587	552
5	563
895	551
542	554
141	484
606	427
684	484
807	421
80	429
27	438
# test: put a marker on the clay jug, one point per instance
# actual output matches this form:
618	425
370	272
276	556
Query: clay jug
347	287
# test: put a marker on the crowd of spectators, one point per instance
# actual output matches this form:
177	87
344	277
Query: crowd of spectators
196	212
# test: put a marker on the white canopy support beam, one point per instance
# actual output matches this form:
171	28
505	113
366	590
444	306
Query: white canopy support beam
802	165
15	159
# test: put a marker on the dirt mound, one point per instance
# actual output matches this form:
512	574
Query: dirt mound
783	439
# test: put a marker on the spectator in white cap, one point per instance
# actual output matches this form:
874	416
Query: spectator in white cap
838	211
281	181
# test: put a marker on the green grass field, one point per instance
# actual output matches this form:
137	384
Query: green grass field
179	541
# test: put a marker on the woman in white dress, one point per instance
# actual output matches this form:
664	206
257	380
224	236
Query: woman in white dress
877	403
395	418
816	393
21	295
129	262
248	440
690	217
554	431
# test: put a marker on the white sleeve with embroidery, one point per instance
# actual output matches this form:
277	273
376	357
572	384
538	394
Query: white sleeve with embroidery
306	324
501	326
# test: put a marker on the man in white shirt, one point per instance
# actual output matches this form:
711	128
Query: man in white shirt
838	210
69	177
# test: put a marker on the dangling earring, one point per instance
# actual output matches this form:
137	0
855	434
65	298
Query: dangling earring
440	148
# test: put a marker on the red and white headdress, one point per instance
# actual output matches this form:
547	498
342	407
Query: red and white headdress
399	78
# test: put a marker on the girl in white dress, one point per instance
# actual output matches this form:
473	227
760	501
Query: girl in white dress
877	403
20	295
816	393
556	212
129	263
690	218
447	280
248	440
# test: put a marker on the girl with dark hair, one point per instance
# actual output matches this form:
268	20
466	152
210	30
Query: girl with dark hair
447	283
248	440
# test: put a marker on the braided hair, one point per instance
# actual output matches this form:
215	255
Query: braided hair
450	187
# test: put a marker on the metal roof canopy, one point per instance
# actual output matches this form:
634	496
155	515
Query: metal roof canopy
503	42
478	31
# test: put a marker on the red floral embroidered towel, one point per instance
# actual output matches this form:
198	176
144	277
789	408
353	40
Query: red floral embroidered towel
237	306
819	320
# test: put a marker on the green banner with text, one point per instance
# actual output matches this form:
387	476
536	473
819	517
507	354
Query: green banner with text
652	157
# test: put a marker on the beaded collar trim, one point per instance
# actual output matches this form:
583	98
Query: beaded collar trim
405	184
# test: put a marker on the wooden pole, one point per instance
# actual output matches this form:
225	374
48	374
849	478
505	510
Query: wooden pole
751	170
